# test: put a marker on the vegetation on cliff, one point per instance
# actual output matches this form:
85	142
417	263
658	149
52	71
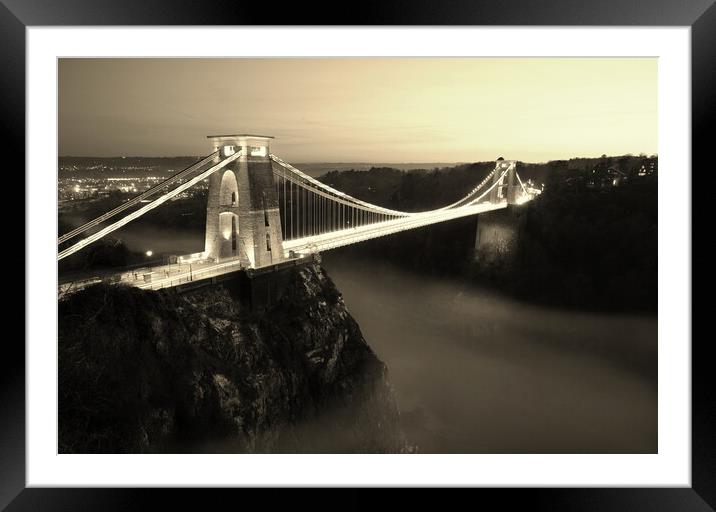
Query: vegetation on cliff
582	247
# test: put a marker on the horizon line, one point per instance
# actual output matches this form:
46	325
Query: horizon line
335	162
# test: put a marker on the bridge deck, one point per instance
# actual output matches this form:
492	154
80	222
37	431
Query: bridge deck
167	276
162	276
354	235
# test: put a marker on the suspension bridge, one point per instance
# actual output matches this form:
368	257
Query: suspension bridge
263	213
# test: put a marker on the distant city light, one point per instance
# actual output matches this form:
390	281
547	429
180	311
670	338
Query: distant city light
149	253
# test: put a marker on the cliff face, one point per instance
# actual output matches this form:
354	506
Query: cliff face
144	371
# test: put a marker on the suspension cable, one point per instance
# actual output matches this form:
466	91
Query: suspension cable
144	195
144	209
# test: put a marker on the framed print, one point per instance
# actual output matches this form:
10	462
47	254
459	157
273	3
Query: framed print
409	247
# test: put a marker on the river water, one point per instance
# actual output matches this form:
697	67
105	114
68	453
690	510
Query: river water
478	373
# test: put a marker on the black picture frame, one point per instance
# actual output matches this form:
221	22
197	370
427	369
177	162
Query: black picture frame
700	15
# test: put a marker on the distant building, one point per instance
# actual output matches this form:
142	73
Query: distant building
647	168
602	177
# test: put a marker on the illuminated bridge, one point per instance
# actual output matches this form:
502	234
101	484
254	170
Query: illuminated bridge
263	213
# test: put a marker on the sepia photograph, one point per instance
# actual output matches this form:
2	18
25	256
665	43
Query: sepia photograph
399	255
405	245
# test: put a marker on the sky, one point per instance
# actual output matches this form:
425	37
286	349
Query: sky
362	109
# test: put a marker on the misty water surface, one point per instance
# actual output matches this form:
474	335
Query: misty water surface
474	372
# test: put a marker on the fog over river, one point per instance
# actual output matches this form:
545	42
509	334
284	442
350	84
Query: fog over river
479	373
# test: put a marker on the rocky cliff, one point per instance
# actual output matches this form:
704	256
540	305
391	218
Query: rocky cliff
143	371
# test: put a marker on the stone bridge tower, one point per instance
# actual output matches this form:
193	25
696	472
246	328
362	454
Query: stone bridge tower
242	212
498	231
509	188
